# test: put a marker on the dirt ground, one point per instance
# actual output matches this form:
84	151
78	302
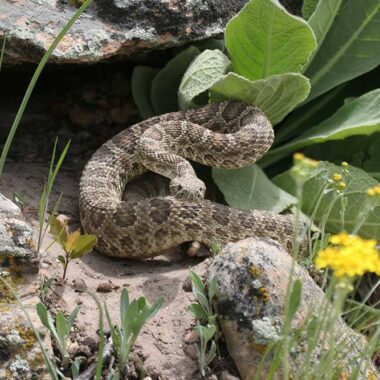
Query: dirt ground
161	346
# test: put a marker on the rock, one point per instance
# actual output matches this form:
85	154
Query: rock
109	27
20	355
105	287
252	282
191	351
17	250
225	375
191	337
79	285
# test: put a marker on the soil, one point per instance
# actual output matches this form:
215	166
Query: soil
89	107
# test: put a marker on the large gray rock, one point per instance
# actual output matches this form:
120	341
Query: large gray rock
20	355
252	277
17	249
109	27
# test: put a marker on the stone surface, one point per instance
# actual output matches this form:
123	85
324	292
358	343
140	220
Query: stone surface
20	355
109	27
252	278
17	250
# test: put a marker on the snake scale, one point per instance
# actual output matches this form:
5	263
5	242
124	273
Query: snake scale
230	135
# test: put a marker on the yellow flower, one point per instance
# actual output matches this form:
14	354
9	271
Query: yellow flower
344	165
349	256
337	177
298	156
374	191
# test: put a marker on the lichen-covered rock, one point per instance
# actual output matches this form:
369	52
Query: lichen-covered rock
109	27
17	250
20	355
252	280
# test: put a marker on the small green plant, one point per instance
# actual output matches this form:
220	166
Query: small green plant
60	330
207	348
74	244
133	316
45	286
207	326
215	248
45	196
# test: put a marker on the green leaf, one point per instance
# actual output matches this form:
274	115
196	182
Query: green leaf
275	96
263	39
124	303
142	78
83	245
294	299
62	259
60	322
308	7
360	116
359	206
196	282
198	312
323	18
58	230
212	288
351	48
44	316
164	94
249	188
203	72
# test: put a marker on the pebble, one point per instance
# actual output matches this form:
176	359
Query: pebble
225	375
191	351
191	337
105	287
79	285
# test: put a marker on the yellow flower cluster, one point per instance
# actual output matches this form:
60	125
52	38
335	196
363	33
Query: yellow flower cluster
374	191
349	256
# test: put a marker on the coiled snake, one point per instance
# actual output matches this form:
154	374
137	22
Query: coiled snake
228	135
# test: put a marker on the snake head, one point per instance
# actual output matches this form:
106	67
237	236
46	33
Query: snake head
187	187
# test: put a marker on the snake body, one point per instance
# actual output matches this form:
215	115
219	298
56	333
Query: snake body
228	135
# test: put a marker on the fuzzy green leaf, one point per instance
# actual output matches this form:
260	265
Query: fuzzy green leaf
164	95
198	312
203	72
263	39
275	96
249	188
351	48
295	298
142	78
360	207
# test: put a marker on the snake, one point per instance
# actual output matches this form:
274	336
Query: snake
229	134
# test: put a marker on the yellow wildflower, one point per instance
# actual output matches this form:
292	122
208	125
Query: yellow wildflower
337	177
374	191
349	256
342	185
298	156
344	165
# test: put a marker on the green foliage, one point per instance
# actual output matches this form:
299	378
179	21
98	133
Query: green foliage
60	330
361	209
250	188
133	316
360	116
276	96
207	327
45	196
308	7
203	72
164	92
351	47
45	286
260	38
74	244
